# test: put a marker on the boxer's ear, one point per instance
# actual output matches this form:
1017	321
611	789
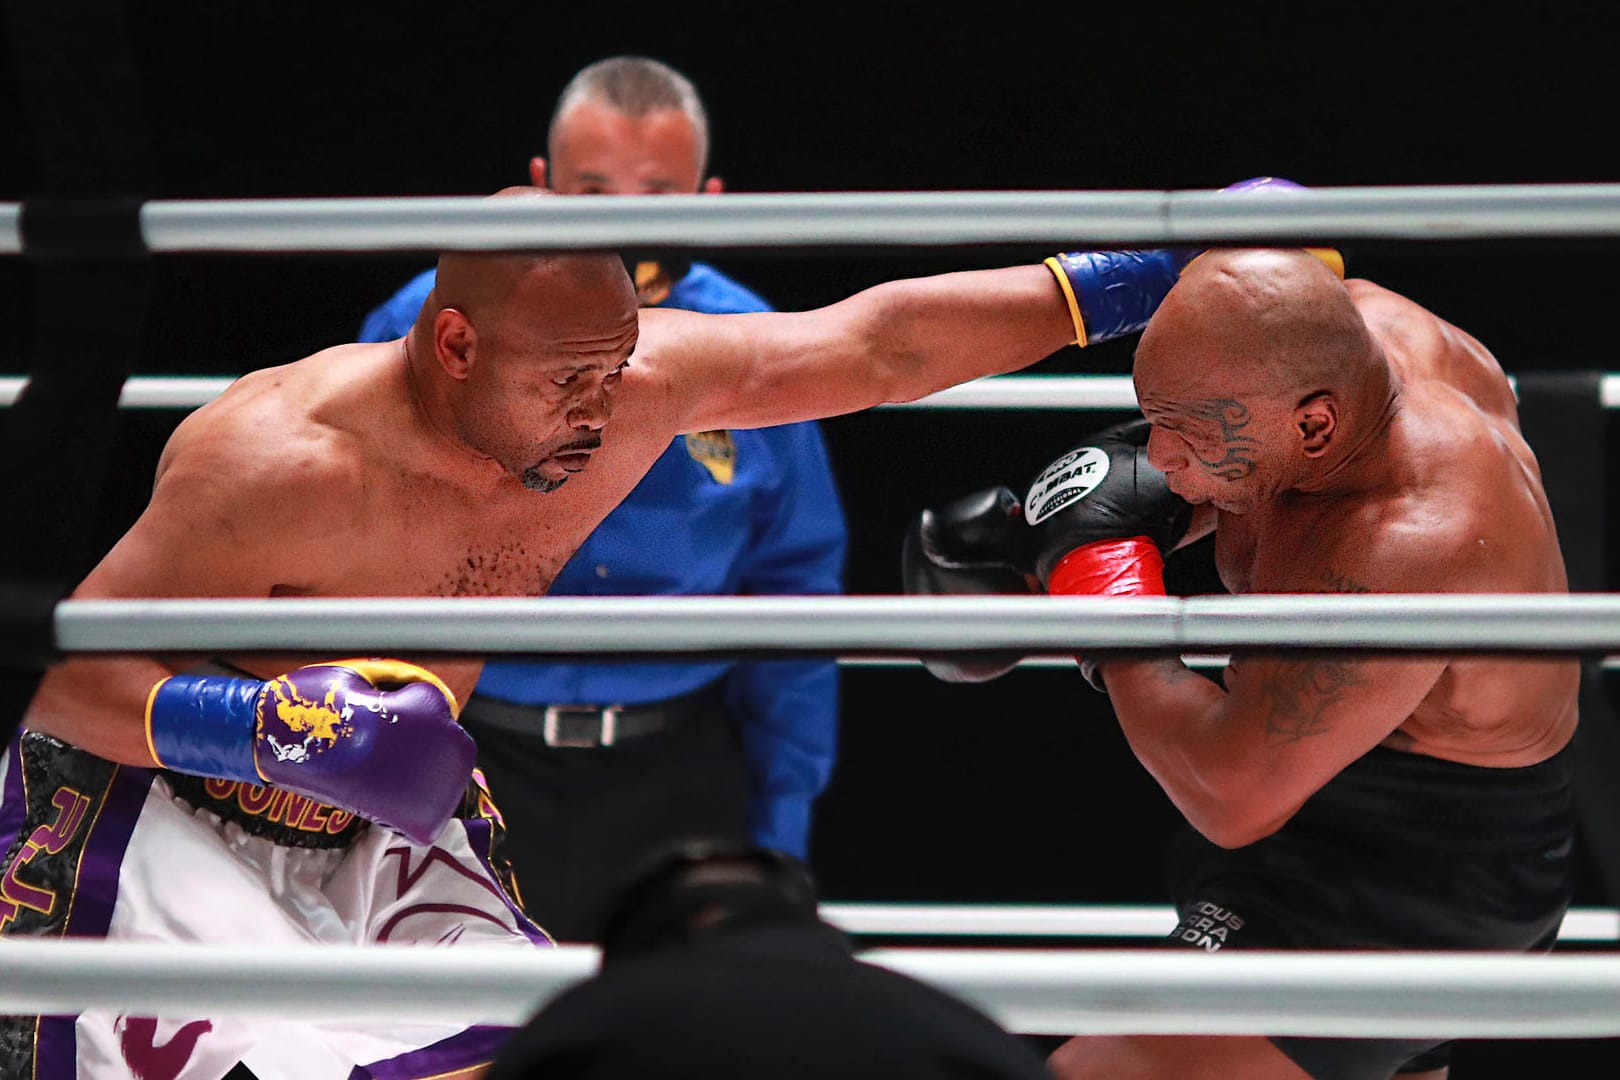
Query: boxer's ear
454	342
1317	421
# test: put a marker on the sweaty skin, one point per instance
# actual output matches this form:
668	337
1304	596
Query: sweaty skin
1338	438
418	467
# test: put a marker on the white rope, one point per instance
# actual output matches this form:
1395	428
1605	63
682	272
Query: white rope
1067	392
1086	921
1038	991
1041	392
847	625
1066	661
1001	920
1388	995
1074	392
866	219
144	391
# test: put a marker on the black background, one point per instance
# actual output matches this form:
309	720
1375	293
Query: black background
1023	789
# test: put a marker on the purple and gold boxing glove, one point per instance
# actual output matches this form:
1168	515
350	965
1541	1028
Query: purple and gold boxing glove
375	737
1331	256
1114	293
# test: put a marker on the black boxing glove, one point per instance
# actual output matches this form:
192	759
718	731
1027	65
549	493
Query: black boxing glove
1101	519
1101	516
972	546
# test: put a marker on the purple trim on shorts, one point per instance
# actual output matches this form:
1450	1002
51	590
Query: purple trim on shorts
56	1050
13	807
472	1046
480	835
54	1046
104	848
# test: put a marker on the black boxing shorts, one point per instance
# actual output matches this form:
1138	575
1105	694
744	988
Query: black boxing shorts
1399	851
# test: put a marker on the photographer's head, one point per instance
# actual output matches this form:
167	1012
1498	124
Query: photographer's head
702	887
716	964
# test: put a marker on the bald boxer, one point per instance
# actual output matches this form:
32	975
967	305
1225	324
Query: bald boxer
1337	438
294	800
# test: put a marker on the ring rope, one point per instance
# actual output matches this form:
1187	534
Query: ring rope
1071	392
849	624
1590	924
1037	991
1159	218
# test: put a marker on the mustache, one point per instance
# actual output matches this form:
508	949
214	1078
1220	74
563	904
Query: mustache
589	444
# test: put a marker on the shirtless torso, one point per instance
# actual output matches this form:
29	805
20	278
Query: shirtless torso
1426	486
1338	438
367	471
1463	511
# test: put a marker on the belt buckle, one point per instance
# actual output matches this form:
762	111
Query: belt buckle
580	726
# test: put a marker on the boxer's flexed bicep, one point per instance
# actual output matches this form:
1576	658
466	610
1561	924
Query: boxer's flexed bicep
1302	718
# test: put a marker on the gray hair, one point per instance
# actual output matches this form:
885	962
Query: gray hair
635	86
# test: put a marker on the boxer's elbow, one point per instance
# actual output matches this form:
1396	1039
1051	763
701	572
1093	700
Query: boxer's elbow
1235	815
1232	831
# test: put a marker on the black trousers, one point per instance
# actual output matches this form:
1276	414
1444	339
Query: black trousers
580	820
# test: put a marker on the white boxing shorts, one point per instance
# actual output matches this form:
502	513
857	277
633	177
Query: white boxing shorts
93	849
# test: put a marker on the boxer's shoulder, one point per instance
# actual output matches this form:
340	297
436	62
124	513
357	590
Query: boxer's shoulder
311	423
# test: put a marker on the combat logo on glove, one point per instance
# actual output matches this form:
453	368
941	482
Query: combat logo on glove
1073	476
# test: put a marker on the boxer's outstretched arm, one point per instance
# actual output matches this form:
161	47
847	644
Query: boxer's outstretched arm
902	340
897	341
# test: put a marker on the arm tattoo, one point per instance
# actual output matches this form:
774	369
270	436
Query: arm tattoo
1337	582
1237	460
1300	692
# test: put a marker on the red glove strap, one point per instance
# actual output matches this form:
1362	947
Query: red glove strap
1131	566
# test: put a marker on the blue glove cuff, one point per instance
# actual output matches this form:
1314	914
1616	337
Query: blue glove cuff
205	725
1115	293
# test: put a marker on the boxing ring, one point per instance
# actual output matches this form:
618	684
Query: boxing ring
1044	990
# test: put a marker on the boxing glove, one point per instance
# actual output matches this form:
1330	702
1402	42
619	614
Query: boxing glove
1100	518
375	737
1114	293
1331	256
1100	515
972	546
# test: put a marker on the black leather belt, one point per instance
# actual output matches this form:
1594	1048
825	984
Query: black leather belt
584	726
